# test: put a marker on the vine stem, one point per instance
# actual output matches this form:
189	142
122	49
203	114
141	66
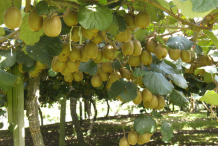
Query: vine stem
12	3
123	130
63	3
8	36
120	62
65	13
27	7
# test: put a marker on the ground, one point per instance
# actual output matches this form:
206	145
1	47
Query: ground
189	129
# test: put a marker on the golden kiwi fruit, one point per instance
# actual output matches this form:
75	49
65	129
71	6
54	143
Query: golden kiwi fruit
142	20
134	60
174	54
123	36
35	21
96	81
39	65
78	76
145	138
91	50
104	76
34	74
109	84
146	57
52	26
12	18
130	21
204	60
53	64
107	67
161	102
146	95
99	58
185	55
114	76
63	56
137	48
160	51
88	33
98	39
138	98
132	137
83	56
75	34
58	65
68	78
65	72
127	48
71	18
74	54
119	98
151	45
20	68
94	30
123	142
125	73
153	102
72	66
108	52
140	142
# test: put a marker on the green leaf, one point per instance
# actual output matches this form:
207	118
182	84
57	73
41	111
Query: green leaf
179	80
116	88
198	49
4	5
7	80
203	5
1	125
211	35
163	68
23	58
27	35
167	6
99	17
152	11
140	33
102	2
113	29
166	131
45	49
208	77
116	65
89	67
7	58
2	31
214	55
157	83
208	45
42	8
210	97
129	93
156	114
143	124
209	69
178	98
179	42
52	73
186	9
65	28
28	68
138	72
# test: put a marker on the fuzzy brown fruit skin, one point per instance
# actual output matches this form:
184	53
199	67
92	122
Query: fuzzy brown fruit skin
138	99
52	26
12	18
35	21
127	48
137	48
123	36
99	58
151	45
204	60
123	142
74	34
174	54
130	21
185	56
142	20
134	60
161	102
160	52
71	18
96	81
133	137
78	76
146	57
108	52
146	95
91	50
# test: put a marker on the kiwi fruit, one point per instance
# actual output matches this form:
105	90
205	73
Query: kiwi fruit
165	39
161	102
20	68
78	76
53	64
72	66
137	48
68	78
138	98
12	18
146	57
66	72
123	36
109	84
145	138
140	142
58	65
133	137
142	20
71	18
88	33
153	102
146	95
125	73
35	21
130	21
74	54
146	104
75	34
104	76
95	30
107	67
39	65
63	56
108	52
139	81
34	74
174	54
118	97
123	142
99	58
91	50
127	48
151	45
98	39
185	56
83	56
96	81
134	60
160	51
52	26
204	60
114	76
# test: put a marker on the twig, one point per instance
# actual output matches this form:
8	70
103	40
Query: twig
120	62
123	130
65	13
8	36
63	3
27	7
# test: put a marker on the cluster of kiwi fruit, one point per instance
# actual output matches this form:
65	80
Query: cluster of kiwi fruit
135	138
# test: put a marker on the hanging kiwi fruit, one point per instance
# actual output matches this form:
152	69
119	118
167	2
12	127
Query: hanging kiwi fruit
35	21
52	26
12	18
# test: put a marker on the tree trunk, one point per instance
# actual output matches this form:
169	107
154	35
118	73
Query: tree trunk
32	110
41	117
108	108
95	109
76	121
80	112
62	122
88	108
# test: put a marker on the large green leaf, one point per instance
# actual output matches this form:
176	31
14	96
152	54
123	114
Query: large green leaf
208	45
140	33
178	98
42	8
143	124
5	4
198	49
157	83
214	55
211	35
7	58
167	5
45	49
210	97
23	58
2	31
179	42
204	5
209	69
129	93
27	35
89	67
7	80
166	131
138	72
95	16
208	77
116	88
186	9
163	68
102	2
179	80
